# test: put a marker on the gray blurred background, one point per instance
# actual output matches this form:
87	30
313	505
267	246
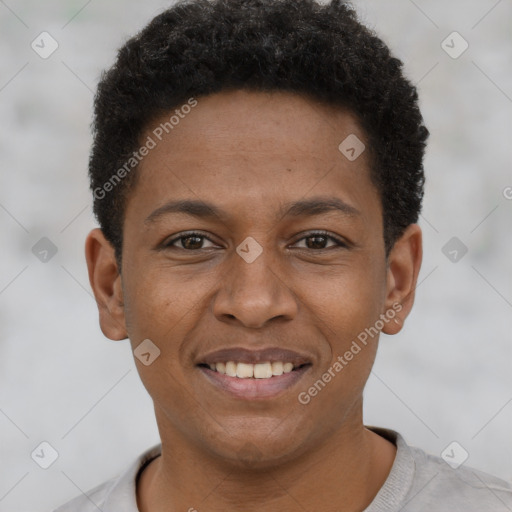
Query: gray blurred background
446	377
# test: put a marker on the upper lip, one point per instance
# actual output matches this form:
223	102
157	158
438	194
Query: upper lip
244	355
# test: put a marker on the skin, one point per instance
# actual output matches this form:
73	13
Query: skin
250	153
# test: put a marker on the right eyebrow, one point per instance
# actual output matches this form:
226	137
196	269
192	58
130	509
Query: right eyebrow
194	208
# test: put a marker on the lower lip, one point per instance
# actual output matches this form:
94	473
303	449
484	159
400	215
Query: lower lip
254	389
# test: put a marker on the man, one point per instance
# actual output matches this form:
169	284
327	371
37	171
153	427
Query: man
257	176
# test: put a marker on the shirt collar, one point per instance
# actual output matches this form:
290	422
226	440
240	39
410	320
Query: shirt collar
390	495
125	488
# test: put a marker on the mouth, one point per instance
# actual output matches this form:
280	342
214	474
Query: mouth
266	370
253	375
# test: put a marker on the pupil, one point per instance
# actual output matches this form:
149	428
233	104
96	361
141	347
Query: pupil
318	242
189	245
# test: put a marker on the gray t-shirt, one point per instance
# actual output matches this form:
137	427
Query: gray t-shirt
418	482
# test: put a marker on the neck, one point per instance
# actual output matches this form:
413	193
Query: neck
345	471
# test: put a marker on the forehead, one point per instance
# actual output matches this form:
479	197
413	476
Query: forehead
253	150
250	121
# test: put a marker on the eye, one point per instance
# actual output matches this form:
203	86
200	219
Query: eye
318	241
189	241
195	241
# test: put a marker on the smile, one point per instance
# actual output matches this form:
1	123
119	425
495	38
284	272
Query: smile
254	381
265	370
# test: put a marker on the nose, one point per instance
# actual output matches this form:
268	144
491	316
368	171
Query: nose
253	294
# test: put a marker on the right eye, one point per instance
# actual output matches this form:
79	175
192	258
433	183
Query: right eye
189	242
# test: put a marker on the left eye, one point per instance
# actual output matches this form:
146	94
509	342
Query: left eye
319	240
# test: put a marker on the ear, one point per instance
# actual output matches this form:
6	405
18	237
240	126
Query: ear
404	262
105	281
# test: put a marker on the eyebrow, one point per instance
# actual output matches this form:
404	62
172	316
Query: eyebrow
207	210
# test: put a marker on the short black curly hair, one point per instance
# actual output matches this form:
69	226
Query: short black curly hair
199	47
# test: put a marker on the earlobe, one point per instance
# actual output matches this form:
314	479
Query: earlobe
404	262
105	281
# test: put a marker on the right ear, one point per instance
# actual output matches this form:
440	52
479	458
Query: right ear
105	281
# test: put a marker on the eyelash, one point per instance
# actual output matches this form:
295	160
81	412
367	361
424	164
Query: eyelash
339	242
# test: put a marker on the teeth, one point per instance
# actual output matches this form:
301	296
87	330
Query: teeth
230	369
256	371
277	368
262	371
287	367
244	371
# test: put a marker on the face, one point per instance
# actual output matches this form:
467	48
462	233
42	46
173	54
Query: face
249	237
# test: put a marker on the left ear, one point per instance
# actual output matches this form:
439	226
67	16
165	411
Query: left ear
404	262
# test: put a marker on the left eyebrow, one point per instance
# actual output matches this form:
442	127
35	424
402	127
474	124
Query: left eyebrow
206	210
319	205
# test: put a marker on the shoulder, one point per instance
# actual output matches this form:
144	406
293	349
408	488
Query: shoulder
117	493
90	501
422	482
439	486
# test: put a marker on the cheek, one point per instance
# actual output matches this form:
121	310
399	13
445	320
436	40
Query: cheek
164	305
158	301
158	310
345	300
346	307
